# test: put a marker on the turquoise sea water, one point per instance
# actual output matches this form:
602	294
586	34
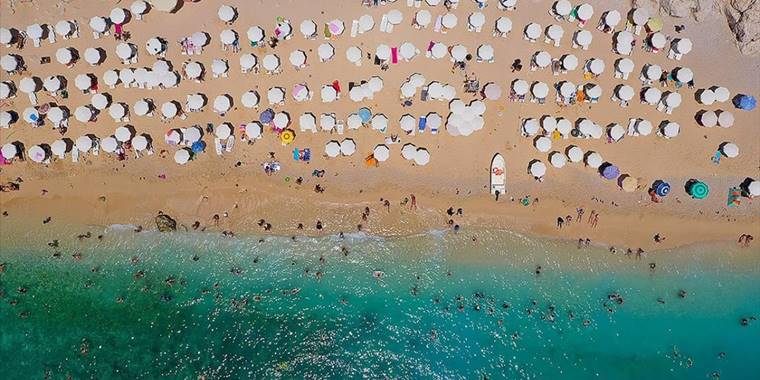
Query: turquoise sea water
446	307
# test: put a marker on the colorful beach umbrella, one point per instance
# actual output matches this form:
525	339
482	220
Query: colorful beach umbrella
697	189
609	171
661	188
745	102
365	114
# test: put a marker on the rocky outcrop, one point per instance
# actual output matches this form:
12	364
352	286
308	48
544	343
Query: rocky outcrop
677	8
744	20
165	223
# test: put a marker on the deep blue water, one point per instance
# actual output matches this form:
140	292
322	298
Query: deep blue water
446	307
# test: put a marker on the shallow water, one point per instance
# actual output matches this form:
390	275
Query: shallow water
249	309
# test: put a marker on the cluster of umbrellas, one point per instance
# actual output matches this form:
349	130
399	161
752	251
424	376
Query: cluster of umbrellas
410	86
420	156
366	90
347	147
464	119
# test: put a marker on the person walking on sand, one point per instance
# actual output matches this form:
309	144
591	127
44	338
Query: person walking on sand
387	204
413	206
580	214
591	217
560	221
595	221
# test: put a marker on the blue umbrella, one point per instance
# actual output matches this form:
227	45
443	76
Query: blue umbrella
267	116
365	114
661	188
745	102
198	147
609	171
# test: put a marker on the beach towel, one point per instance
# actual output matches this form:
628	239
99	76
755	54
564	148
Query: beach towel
218	146
734	197
336	86
394	55
296	154
117	29
354	28
307	154
422	124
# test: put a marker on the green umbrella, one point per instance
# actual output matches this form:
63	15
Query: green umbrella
699	190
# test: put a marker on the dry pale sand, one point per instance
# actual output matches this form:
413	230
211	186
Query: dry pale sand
101	190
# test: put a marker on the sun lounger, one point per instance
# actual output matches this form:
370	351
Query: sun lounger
438	24
96	148
230	144
384	24
218	146
75	155
394	55
340	126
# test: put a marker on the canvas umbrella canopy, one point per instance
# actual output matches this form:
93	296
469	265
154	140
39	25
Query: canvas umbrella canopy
56	115
383	52
485	52
422	18
729	150
30	115
433	3
585	11
111	77
569	62
435	90
222	103
586	127
354	54
271	62
6	118
117	111
708	119
327	122
639	16
557	159
109	144
248	61
725	119
300	92
567	89
492	91
118	15
537	169
140	142
169	79
281	120
64	28
354	121
672	99
542	59
593	91
193	70
624	92
139	8
476	19
644	127
308	28
366	23
624	65
375	84
328	94
154	46
583	38
753	188
266	116
123	134
125	51
628	183
438	50
219	66
347	147
332	149
58	147
379	122
382	153
706	96
616	132
308	122
652	95
697	189
540	90
10	63
7	35
658	40
682	45
283	30
408	151
520	87
337	26
421	157
276	95
683	74
652	72
670	129
9	151
142	107
721	93
555	32
28	85
449	21
407	50
530	127
542	144
6	89
609	171
503	25
574	154
228	36
226	13
548	123
83	114
596	66
100	101
562	7
255	34
182	156
298	58
192	134
65	55
37	154
173	136
357	94
83	143
98	24
253	130
532	31
564	126
407	123
223	131
594	160
611	18
169	110
661	188
127	76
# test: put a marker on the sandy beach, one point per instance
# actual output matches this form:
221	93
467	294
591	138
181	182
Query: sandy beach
101	191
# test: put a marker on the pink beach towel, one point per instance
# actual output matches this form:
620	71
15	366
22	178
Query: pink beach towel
117	29
394	55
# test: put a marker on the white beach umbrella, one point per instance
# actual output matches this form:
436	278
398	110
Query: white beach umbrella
408	151
297	58
169	110
139	8
308	122
708	119
253	130
255	34
520	87
9	151
542	59
328	94
56	115
594	160
624	65
616	132
379	122
611	18
640	16
332	149
485	52
223	131
585	11
684	74
354	121
64	28
722	94
219	66
532	31
574	153
624	92
562	7
730	150
725	119
58	147
555	32
476	19
228	36
226	13
117	111
596	66
583	38
118	15
195	102
142	107
327	122
276	95
65	55
381	152
670	129
594	91
567	89
644	127
375	84
271	62
706	96
154	46
672	99
537	169
569	62
199	38
421	157
161	66
423	18
503	25
93	56
564	126
540	90
7	35
530	127
754	188
192	134
123	134
100	101
222	103
9	63
354	54
548	123
109	144
383	52
347	147
543	144
248	61
407	50
173	136
326	51
652	95
658	40
449	21
182	156
28	85
98	24
84	143
682	45
281	120
111	77
407	123
652	72
439	50
6	89
308	28
83	114
140	143
31	115
193	70
125	51
557	159
492	91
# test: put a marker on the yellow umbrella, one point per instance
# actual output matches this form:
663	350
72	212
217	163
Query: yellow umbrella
654	24
287	136
629	184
